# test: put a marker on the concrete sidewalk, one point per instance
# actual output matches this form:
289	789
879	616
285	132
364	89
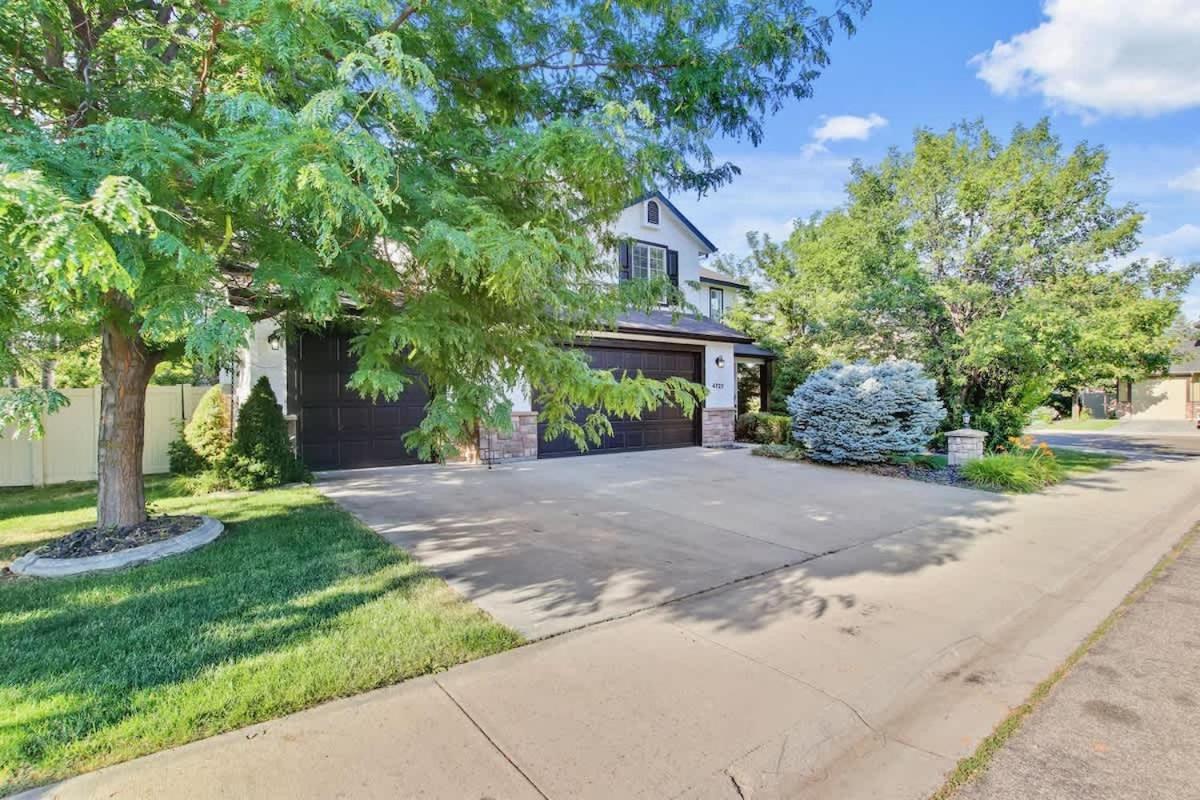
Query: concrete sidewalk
866	673
1122	723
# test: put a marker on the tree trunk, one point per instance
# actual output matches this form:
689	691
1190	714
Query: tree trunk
125	369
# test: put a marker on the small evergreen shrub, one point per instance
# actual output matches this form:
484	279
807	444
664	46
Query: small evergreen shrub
763	428
261	455
865	413
184	460
203	441
208	429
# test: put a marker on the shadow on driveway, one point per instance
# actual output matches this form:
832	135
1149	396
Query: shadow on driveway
549	546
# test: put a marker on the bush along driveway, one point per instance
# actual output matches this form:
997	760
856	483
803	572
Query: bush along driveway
1017	472
295	604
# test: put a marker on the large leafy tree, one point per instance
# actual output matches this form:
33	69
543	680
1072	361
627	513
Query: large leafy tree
1000	265
442	169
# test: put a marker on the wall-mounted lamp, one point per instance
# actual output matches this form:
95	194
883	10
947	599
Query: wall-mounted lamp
966	419
720	362
274	340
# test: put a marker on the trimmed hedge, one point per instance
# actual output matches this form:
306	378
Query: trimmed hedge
760	427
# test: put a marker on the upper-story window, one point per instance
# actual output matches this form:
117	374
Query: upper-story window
652	212
649	261
716	304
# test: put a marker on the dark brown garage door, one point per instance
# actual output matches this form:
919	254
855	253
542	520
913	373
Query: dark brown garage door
665	427
338	429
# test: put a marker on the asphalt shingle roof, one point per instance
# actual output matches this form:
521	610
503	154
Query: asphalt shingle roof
685	325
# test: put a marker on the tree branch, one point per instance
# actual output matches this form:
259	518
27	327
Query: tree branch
408	11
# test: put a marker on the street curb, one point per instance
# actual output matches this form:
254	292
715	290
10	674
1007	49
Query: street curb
972	767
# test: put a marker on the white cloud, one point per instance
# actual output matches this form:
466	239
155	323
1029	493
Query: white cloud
1104	57
1183	243
1189	181
847	126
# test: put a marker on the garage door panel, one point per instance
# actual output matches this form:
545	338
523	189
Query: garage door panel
354	420
339	429
665	426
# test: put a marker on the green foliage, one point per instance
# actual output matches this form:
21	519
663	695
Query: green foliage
260	455
1043	415
990	262
1013	472
25	409
865	413
1025	465
318	607
786	452
208	430
763	428
442	167
204	440
183	458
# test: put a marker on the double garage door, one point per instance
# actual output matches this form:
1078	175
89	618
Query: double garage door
338	429
664	427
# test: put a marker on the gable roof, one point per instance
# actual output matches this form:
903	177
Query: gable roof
1187	360
687	223
712	276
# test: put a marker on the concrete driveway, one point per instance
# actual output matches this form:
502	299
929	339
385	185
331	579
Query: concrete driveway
866	672
548	546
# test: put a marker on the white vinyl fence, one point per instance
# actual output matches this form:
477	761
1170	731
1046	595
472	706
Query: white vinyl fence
68	450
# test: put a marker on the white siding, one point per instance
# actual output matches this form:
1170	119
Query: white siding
673	235
258	359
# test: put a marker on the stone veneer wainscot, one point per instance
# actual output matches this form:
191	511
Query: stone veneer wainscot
717	427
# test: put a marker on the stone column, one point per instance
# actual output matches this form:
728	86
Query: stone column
717	427
964	445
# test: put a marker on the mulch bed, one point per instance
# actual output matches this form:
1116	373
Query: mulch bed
99	541
946	476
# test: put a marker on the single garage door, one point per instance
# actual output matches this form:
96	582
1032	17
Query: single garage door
665	427
338	429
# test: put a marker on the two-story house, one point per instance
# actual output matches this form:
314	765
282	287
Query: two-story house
337	429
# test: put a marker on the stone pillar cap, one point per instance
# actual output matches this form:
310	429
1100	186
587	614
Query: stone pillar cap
968	433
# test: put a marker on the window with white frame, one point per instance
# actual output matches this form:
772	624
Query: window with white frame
716	304
649	261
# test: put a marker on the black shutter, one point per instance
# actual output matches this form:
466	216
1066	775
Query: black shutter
624	261
673	267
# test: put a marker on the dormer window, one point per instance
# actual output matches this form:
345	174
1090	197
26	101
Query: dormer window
652	213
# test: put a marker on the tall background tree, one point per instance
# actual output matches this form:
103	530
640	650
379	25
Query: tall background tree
442	168
1002	266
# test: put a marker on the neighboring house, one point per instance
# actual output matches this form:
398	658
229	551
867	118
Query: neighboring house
336	429
1174	396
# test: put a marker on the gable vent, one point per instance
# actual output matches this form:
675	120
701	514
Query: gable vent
652	212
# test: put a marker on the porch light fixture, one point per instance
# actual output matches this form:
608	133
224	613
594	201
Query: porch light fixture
274	341
720	362
966	419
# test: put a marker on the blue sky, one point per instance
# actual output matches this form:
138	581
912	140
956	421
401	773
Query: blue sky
1119	73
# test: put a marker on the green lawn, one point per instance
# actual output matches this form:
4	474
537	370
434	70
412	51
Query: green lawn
1078	462
1079	425
296	603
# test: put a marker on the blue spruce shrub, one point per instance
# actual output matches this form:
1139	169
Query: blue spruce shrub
863	413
